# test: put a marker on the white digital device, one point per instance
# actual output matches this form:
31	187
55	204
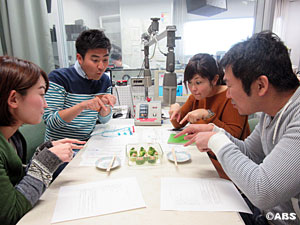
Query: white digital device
147	113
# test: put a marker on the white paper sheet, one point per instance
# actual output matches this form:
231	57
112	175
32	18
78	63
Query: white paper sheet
201	194
149	135
98	198
97	149
108	140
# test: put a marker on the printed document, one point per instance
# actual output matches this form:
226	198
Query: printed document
201	194
97	198
97	149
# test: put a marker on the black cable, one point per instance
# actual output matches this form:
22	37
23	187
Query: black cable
126	77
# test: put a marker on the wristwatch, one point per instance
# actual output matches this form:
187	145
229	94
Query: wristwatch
210	114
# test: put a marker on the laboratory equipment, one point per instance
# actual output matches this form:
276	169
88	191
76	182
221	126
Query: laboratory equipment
170	79
147	113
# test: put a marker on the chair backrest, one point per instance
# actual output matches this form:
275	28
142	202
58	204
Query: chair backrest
34	136
252	123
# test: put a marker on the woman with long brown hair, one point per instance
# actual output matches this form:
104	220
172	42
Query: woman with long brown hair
22	89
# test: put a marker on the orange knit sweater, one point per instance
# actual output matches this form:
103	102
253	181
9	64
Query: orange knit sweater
226	117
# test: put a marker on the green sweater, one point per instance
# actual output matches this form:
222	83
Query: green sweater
20	189
13	204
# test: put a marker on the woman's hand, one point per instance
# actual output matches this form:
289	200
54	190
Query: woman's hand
71	141
63	151
63	148
195	115
174	112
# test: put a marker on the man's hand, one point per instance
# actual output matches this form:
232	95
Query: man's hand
108	99
200	139
93	104
193	129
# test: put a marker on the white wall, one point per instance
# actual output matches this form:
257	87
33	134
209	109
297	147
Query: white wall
291	36
235	9
135	20
88	10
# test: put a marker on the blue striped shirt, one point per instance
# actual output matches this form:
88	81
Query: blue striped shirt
68	88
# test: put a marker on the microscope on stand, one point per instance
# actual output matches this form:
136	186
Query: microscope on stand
148	112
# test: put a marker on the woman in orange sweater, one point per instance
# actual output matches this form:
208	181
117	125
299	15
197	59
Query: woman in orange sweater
208	102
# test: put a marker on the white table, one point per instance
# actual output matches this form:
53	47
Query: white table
149	181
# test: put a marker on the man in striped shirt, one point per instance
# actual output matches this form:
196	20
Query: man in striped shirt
73	106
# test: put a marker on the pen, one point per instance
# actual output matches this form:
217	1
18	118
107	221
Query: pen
133	129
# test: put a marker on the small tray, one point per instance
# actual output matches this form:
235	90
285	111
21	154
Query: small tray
147	159
104	162
180	156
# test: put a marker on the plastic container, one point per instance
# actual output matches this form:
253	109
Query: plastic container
144	154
